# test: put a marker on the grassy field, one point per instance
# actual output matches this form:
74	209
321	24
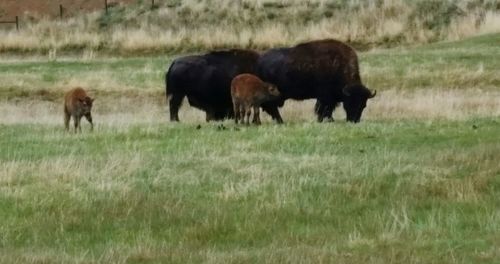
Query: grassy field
417	181
378	192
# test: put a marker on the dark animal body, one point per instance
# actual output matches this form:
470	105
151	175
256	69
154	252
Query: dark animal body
249	92
77	104
205	80
327	70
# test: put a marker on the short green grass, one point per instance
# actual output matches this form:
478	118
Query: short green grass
472	63
395	188
380	192
26	78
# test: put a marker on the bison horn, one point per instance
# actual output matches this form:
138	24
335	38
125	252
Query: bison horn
373	94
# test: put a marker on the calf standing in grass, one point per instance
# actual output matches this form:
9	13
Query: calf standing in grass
77	104
247	92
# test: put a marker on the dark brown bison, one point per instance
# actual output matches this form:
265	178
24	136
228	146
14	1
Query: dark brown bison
249	92
77	104
326	70
206	81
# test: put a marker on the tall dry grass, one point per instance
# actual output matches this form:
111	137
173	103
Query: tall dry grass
180	26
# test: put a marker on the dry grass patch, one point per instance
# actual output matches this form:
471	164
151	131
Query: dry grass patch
449	104
200	25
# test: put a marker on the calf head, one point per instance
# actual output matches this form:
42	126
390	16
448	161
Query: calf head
86	104
354	102
273	90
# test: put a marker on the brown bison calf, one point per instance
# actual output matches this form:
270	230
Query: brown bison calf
77	104
247	92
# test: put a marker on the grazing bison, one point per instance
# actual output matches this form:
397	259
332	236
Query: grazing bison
77	104
325	69
205	80
247	92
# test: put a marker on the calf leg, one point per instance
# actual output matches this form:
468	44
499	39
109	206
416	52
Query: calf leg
77	119
236	107
248	112
256	115
67	118
242	110
89	118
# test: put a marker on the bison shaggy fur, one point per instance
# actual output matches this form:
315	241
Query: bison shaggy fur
325	70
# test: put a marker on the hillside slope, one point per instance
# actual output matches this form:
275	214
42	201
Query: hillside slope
197	25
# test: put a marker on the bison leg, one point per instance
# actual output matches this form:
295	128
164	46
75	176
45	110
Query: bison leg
274	113
89	118
175	102
324	111
209	115
318	109
256	115
327	113
329	109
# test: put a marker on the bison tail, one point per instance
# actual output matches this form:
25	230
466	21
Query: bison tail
169	82
174	98
167	77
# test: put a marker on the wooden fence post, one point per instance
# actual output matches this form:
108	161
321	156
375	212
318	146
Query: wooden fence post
61	11
12	22
106	5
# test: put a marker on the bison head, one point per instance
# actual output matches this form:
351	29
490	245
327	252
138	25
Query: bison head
354	102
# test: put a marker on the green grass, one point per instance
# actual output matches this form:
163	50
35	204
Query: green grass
472	63
403	186
378	192
106	76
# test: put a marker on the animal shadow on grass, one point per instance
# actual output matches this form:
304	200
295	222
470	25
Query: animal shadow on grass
221	127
